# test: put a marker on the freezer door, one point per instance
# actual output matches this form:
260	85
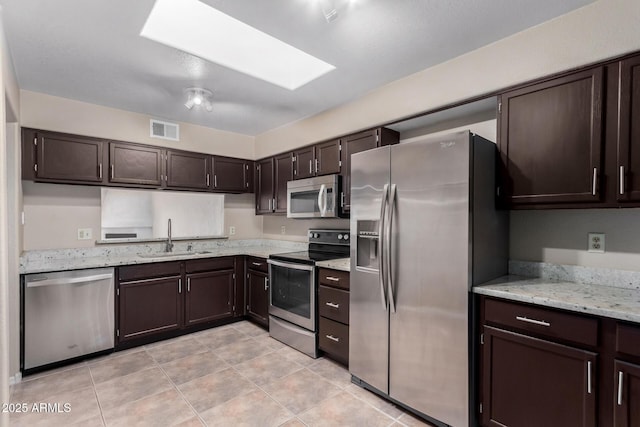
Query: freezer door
429	258
368	314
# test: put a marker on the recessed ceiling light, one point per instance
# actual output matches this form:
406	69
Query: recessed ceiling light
196	28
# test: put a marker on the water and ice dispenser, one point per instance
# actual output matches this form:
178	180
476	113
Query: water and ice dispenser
368	246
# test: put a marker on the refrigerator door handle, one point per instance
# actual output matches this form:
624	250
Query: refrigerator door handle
389	247
381	245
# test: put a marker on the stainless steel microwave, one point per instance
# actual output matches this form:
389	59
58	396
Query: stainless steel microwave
313	197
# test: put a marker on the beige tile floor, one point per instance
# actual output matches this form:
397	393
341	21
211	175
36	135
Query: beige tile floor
235	375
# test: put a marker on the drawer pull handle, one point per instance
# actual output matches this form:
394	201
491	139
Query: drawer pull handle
589	376
534	321
257	263
332	338
333	279
620	379
330	304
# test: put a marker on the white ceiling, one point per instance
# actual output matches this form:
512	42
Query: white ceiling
90	50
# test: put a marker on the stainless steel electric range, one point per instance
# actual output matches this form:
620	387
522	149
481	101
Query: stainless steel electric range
292	295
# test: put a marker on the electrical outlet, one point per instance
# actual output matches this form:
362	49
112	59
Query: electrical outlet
232	230
596	242
283	229
84	234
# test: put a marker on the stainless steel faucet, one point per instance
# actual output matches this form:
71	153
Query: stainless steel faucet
169	246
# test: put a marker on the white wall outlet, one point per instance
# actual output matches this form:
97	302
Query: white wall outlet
596	242
283	229
232	230
84	234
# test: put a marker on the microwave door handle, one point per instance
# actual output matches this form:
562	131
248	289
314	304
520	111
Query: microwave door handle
322	200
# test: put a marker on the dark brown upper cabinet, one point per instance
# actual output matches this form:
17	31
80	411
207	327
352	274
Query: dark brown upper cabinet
304	163
356	143
551	140
187	170
264	186
318	159
139	165
64	158
628	149
231	175
283	174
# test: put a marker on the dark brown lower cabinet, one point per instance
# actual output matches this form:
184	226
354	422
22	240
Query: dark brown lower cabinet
148	307
209	296
155	299
530	382
627	402
257	290
333	312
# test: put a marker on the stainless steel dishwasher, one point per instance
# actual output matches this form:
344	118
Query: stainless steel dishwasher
67	315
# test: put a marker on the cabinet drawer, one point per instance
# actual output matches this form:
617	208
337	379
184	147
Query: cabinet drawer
339	279
333	304
258	264
210	264
628	339
542	321
334	339
146	271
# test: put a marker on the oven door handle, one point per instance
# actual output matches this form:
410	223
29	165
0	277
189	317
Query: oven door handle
293	266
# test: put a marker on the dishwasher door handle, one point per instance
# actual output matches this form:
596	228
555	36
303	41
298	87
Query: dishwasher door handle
68	280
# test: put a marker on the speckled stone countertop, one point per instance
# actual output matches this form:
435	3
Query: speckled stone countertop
621	301
342	264
116	255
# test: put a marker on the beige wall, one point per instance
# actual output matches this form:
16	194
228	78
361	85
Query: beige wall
560	237
9	202
603	29
54	212
48	112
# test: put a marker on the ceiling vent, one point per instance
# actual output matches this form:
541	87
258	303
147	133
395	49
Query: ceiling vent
164	130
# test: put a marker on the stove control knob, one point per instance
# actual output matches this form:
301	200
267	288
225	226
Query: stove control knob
310	234
316	235
345	237
339	236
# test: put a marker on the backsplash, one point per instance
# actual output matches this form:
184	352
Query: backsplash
575	273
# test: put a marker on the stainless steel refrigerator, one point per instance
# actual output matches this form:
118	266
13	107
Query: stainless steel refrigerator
426	229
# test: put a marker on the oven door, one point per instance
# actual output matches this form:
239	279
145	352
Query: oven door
292	294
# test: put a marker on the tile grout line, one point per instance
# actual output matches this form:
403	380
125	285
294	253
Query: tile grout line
183	396
95	393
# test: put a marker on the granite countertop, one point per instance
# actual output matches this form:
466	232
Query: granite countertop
342	264
76	259
622	303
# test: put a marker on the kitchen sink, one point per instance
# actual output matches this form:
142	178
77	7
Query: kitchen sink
172	254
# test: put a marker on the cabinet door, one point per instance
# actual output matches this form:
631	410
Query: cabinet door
304	166
264	186
350	145
551	140
283	174
258	296
528	382
68	158
627	402
209	296
135	164
629	131
148	307
188	170
328	157
230	174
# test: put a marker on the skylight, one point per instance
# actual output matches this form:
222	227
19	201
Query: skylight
196	28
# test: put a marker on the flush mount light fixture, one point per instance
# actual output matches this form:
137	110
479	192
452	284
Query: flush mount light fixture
197	97
196	28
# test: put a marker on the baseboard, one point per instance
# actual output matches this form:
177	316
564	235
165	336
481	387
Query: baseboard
15	379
